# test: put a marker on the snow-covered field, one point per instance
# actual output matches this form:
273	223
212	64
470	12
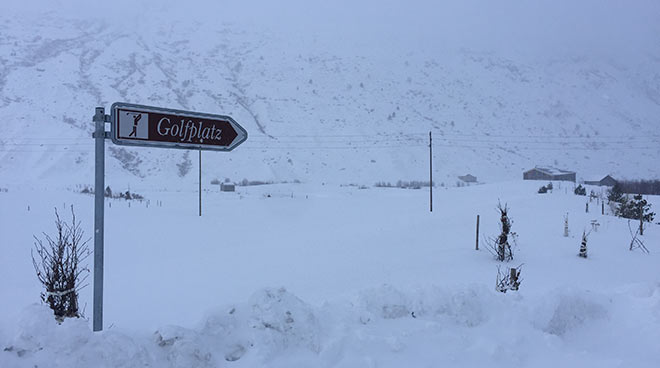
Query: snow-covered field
328	276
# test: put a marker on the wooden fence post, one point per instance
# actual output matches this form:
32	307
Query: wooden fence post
477	247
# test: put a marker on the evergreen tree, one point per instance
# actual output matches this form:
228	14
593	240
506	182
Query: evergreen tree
615	194
580	190
635	208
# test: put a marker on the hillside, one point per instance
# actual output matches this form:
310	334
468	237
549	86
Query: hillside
335	97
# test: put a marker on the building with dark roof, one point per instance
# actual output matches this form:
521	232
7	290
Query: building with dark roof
468	178
607	181
549	173
227	187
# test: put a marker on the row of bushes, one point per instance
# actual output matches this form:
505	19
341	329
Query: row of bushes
415	184
246	183
108	193
640	186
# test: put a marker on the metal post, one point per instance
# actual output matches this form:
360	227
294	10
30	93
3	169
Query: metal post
477	247
200	182
99	185
430	172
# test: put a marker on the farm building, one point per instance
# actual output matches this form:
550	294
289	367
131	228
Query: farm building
468	178
548	173
607	181
227	187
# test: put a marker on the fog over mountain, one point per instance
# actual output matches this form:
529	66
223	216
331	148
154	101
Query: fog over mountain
338	92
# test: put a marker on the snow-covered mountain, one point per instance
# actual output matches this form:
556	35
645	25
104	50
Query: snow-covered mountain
337	93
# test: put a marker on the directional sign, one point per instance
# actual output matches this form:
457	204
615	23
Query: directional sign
139	125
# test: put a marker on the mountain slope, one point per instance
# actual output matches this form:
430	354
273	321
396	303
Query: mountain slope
320	106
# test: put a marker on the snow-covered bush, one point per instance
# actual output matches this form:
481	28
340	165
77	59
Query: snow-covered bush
634	208
280	320
385	302
567	310
184	348
583	246
185	165
59	268
615	194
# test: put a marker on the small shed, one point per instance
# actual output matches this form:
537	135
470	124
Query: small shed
549	173
468	178
607	181
227	187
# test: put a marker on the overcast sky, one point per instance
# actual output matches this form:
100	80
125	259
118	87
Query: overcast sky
625	28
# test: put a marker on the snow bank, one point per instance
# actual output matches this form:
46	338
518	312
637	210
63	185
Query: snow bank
382	326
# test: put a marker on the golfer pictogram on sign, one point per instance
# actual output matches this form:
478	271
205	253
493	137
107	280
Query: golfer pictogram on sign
133	125
136	121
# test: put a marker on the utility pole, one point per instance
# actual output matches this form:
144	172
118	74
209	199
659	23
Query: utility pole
430	172
200	182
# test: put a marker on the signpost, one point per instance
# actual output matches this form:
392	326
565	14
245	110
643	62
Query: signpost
148	126
138	125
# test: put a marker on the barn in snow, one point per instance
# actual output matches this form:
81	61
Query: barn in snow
468	178
607	181
548	173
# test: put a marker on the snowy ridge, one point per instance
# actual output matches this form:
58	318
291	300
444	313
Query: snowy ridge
383	327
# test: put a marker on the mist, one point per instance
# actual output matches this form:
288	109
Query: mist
619	30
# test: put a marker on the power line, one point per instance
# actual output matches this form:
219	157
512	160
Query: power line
402	135
386	141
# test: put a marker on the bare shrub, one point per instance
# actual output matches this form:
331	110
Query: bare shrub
508	282
500	246
636	242
58	264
